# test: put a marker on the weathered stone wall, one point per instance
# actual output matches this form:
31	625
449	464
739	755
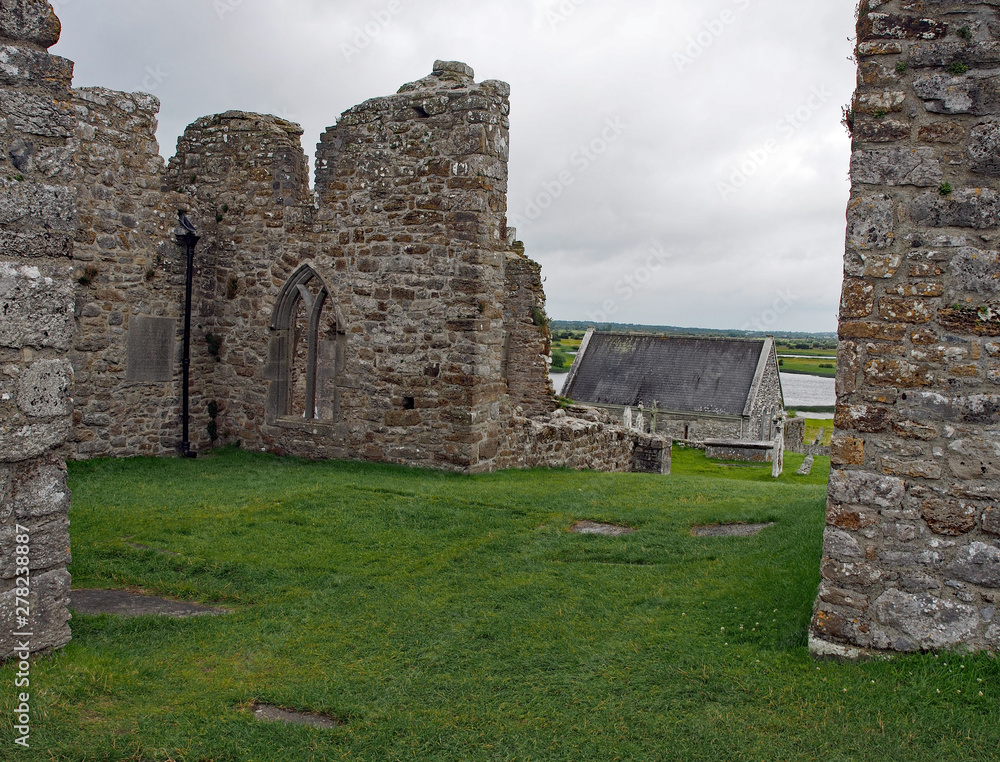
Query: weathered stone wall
699	428
795	434
580	437
527	339
128	268
415	185
767	401
248	176
911	559
37	231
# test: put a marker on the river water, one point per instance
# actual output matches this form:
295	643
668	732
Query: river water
811	391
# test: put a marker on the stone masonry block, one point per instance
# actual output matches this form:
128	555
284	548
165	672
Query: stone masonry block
991	520
857	299
48	602
29	20
896	166
30	205
984	149
862	488
37	309
886	26
906	622
870	222
978	564
977	208
847	451
840	545
20	441
49	546
36	489
949	517
975	454
976	270
33	114
27	67
44	389
976	92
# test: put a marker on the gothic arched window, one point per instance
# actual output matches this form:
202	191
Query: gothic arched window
307	344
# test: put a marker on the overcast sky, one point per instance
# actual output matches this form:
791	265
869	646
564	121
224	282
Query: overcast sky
676	162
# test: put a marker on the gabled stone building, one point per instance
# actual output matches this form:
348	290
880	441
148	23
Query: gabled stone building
701	388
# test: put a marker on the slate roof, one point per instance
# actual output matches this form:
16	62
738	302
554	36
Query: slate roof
680	374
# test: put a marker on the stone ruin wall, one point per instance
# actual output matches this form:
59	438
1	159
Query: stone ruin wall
126	269
911	559
430	345
434	351
527	344
37	231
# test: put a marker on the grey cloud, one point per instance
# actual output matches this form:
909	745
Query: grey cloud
687	126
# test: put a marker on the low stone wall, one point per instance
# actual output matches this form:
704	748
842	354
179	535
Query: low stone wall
651	455
731	449
580	438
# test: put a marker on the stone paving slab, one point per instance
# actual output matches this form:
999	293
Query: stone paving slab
730	530
590	527
276	714
122	603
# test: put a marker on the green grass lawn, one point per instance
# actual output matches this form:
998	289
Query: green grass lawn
827	348
447	617
813	426
809	366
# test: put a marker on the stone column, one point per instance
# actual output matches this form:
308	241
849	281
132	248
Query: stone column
911	558
37	229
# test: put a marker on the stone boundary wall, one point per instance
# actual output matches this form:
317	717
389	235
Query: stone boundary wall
581	438
38	220
911	558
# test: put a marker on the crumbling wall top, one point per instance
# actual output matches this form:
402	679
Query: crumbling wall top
31	21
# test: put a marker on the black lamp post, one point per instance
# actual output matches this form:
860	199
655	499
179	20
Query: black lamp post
187	235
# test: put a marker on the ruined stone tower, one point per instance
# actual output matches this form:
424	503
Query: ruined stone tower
911	559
